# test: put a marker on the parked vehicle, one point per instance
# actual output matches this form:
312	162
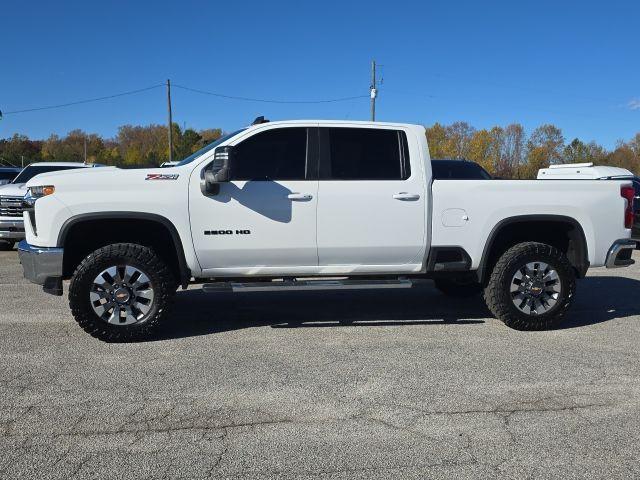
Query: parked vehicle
12	195
582	171
458	170
311	205
7	174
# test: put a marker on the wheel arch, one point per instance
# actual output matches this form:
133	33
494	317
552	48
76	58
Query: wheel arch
555	230
158	224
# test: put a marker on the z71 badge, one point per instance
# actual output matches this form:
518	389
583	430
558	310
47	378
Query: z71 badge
162	176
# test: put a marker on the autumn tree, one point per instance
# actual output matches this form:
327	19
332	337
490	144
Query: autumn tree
505	152
513	150
209	135
624	156
71	147
548	143
143	145
437	140
458	142
480	148
19	148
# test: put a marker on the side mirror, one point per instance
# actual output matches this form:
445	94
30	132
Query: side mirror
219	170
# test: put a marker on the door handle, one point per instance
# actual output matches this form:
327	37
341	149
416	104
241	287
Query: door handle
406	196
300	197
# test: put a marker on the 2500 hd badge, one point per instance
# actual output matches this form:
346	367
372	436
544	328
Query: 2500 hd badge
227	232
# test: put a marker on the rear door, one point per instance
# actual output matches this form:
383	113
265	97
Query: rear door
372	200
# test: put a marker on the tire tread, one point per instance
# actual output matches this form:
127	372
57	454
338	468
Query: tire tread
97	328
502	309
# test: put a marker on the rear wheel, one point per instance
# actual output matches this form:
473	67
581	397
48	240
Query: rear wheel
531	287
121	292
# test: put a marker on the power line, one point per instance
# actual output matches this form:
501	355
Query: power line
262	100
62	105
204	92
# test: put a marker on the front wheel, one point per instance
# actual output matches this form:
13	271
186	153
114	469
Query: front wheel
531	287
121	292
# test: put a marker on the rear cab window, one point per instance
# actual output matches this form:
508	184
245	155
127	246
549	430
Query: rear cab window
363	154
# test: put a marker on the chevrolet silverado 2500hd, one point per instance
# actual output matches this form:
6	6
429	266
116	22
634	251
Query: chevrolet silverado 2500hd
315	205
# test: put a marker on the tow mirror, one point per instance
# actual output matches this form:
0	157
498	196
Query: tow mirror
219	170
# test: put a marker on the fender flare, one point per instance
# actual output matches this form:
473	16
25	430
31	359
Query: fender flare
185	272
582	254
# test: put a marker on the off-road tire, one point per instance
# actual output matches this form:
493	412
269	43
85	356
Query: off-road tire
497	292
458	289
5	245
161	279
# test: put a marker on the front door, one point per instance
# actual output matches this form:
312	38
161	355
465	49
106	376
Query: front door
264	220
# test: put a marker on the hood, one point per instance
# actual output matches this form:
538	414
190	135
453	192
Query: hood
62	175
13	190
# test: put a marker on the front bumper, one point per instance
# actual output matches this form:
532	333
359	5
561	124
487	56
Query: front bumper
42	266
619	254
12	229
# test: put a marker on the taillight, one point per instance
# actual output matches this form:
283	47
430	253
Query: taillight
628	193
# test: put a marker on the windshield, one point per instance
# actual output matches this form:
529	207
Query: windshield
32	170
204	150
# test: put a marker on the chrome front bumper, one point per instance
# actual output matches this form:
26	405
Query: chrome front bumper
619	254
42	265
11	229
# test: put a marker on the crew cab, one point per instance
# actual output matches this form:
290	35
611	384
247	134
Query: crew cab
12	195
313	205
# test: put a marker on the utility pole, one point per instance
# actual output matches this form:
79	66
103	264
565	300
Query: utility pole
170	121
374	91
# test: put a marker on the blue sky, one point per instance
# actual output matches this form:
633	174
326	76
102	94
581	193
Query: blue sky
571	63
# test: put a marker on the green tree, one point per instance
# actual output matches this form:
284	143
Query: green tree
186	144
577	152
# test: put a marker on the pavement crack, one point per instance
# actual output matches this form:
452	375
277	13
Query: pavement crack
225	449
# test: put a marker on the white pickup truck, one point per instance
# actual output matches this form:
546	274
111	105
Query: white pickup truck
315	205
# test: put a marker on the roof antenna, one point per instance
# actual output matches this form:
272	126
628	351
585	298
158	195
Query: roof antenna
259	120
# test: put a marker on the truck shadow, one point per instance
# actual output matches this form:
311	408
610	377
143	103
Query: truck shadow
599	299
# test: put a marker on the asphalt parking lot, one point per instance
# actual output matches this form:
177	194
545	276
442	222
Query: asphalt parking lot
399	384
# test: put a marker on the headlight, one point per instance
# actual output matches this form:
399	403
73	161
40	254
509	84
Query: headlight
34	193
42	191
